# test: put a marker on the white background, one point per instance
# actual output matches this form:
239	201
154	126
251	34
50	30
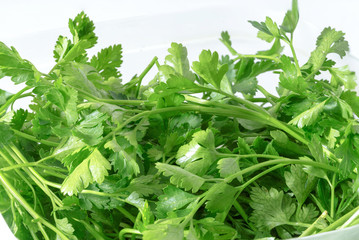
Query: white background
146	28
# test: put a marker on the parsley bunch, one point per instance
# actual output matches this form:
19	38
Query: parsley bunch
193	154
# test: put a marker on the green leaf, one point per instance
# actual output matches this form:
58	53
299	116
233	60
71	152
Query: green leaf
289	78
220	197
12	65
107	61
352	99
316	149
65	227
90	128
299	182
207	68
179	61
348	151
62	47
309	116
79	76
92	169
291	18
226	40
124	159
229	166
270	208
145	185
180	177
342	76
329	41
307	214
6	134
66	99
82	28
173	199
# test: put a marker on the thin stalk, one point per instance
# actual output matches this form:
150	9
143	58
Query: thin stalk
13	99
340	221
298	224
283	161
244	215
9	187
144	73
34	175
268	96
31	164
240	56
299	73
124	231
34	139
332	195
246	155
194	210
2	154
310	230
255	178
127	214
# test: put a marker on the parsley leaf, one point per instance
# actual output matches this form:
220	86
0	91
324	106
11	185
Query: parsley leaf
92	169
272	208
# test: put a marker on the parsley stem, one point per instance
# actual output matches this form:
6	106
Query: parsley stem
31	164
144	73
283	161
261	174
13	99
124	231
34	139
240	56
246	155
244	215
2	154
340	221
299	73
127	214
267	95
313	226
8	186
34	175
332	195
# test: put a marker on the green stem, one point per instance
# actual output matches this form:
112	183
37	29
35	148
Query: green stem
283	161
124	231
31	164
313	227
299	73
253	179
127	214
34	175
244	215
144	73
2	154
6	184
194	210
240	56
268	96
298	224
332	197
244	113
13	99
246	155
340	221
34	139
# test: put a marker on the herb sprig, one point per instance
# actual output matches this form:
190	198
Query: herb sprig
193	154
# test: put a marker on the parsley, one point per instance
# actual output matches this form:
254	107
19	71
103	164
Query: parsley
194	154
